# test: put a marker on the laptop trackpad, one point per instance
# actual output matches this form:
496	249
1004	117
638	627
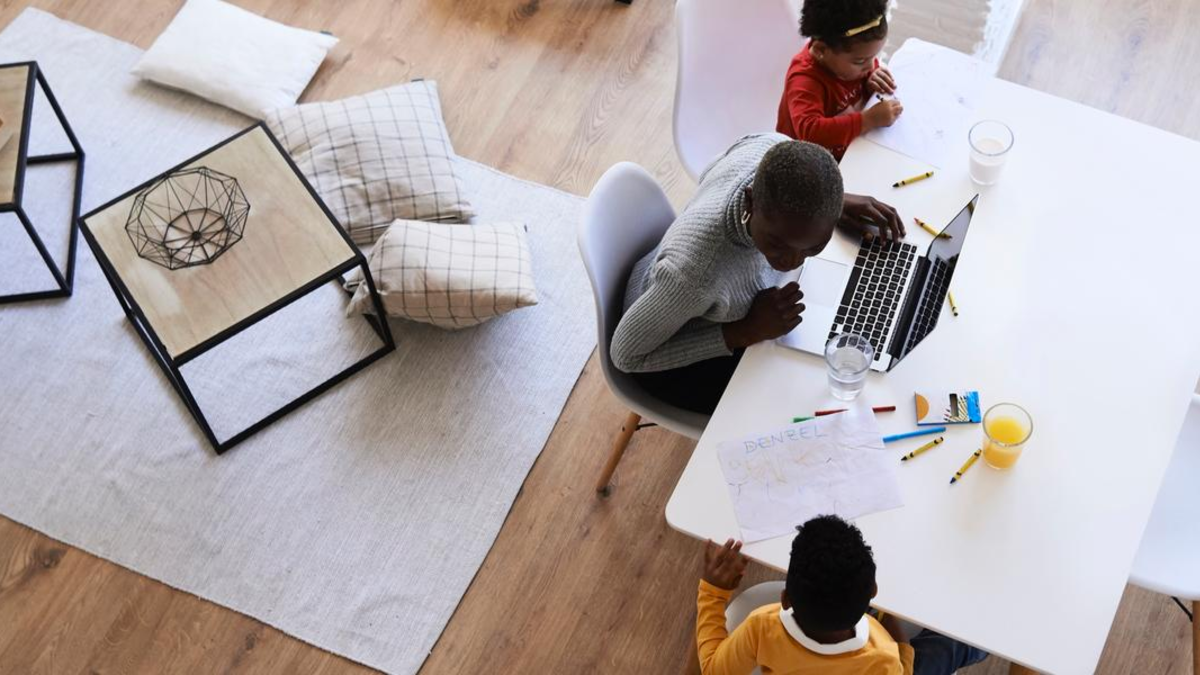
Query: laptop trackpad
823	283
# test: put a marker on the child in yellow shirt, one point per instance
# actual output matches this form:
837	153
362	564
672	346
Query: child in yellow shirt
821	623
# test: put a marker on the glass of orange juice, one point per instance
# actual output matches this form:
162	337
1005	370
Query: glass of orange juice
1006	428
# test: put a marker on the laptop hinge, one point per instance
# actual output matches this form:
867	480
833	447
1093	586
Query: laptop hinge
904	322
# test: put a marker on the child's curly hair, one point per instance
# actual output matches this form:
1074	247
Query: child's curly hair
831	576
828	21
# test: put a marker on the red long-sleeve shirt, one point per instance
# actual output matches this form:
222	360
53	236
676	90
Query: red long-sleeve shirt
820	108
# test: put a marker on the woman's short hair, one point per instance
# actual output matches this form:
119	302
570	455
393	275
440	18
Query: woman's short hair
798	180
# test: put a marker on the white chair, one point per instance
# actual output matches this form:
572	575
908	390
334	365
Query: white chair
749	600
624	218
1168	561
733	58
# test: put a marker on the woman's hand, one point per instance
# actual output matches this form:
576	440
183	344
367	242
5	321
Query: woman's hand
880	81
724	565
774	313
866	217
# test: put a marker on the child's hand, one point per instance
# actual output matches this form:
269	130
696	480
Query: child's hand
892	625
881	82
882	114
724	565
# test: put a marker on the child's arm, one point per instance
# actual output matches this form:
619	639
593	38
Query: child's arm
806	105
892	625
721	653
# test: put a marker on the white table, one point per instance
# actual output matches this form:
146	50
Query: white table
1076	292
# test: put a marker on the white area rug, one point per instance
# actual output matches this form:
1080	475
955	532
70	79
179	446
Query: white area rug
355	523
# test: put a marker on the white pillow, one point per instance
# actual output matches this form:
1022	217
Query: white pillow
452	276
233	57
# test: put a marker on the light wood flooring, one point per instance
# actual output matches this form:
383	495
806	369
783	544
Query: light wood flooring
555	91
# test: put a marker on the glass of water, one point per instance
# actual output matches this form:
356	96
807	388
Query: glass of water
849	358
990	142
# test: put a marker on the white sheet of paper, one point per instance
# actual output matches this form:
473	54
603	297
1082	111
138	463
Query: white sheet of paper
939	89
834	464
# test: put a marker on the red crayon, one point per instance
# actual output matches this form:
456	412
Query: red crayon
878	409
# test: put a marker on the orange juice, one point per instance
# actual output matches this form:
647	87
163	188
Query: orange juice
1004	439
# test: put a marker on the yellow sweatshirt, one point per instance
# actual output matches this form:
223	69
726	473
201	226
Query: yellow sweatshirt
763	641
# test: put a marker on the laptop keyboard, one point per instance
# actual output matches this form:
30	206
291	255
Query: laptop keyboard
873	292
930	308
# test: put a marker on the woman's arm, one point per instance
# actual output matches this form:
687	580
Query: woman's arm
662	329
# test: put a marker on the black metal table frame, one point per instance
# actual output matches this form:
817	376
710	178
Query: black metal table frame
171	365
65	280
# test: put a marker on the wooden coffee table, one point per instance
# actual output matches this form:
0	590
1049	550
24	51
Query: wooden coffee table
19	83
215	245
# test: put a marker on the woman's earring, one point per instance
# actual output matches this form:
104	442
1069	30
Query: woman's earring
745	217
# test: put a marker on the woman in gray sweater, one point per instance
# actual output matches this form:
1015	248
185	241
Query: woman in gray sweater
711	287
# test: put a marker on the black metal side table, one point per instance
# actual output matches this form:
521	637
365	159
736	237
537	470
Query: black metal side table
19	86
215	245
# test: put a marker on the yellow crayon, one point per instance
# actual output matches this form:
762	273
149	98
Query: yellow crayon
929	228
958	476
923	448
909	181
953	306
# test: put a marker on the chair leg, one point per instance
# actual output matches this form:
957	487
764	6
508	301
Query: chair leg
1196	637
604	487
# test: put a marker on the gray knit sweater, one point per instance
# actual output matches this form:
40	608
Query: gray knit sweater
705	272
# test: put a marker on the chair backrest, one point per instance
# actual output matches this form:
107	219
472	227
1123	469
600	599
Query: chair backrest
733	58
1169	559
624	218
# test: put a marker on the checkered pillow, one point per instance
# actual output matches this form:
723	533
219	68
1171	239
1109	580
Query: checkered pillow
377	157
452	276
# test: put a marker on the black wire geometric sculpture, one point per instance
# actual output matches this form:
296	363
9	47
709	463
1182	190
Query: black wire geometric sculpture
187	218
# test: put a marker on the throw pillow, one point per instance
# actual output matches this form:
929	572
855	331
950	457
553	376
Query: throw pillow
377	157
234	57
451	276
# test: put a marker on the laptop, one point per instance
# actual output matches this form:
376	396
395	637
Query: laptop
891	295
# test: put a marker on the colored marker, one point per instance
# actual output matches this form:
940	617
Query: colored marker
910	181
929	228
970	460
878	409
953	307
910	434
923	448
800	419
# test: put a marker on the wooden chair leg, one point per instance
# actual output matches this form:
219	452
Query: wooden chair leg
604	487
1196	637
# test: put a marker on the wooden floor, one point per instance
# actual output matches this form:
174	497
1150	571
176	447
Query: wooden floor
555	91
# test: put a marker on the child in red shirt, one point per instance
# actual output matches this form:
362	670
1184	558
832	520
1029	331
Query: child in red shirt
834	76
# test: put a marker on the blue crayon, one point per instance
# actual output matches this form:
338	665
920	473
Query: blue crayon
910	434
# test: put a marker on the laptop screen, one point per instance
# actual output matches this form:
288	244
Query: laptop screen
924	303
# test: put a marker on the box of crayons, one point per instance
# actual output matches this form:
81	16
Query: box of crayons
948	407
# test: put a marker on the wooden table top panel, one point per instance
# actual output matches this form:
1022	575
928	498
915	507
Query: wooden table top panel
287	242
14	81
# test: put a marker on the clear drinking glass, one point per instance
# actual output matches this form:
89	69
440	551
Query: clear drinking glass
990	142
1006	428
849	358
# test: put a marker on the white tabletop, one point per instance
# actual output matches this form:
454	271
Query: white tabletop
1076	291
